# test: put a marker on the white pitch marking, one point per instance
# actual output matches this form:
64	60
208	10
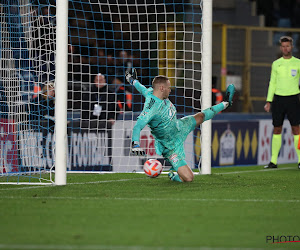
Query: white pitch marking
98	182
76	183
100	247
149	199
252	171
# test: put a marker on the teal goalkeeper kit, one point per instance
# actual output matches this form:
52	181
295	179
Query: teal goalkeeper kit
168	131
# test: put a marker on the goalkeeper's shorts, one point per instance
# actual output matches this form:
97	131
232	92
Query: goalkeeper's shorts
176	156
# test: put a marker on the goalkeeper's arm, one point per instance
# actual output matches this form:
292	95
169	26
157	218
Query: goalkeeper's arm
133	80
135	148
144	118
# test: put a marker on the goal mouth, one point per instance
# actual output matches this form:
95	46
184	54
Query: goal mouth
65	101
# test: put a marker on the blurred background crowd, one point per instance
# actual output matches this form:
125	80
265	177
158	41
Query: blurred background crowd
107	39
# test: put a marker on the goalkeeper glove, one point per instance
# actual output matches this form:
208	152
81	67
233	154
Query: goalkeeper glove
136	149
131	77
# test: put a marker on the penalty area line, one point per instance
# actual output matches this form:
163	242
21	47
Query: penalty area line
151	199
111	247
253	171
163	173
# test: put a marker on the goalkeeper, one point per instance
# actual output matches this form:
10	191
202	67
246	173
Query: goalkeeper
169	132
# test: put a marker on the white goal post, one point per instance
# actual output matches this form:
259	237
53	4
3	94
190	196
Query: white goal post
61	62
70	56
206	84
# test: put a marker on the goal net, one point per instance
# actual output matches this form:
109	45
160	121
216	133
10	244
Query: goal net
105	39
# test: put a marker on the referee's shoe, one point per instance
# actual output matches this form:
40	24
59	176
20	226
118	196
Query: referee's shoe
270	165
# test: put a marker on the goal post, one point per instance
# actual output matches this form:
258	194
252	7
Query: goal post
206	85
61	92
30	71
71	57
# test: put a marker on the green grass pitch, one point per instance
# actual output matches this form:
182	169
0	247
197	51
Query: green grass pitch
234	208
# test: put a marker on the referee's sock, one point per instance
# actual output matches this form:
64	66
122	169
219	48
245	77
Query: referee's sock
276	145
296	143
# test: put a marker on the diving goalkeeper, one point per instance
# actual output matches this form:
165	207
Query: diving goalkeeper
169	133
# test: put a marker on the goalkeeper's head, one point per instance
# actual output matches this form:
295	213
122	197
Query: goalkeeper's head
161	87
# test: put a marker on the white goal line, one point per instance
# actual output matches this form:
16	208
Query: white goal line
166	172
102	172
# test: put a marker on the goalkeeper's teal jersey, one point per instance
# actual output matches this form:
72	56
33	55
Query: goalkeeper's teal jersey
160	115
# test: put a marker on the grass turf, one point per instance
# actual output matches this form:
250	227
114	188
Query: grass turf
236	207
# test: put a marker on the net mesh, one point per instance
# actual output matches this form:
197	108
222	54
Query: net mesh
106	39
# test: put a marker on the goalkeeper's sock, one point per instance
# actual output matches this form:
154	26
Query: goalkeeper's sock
174	176
276	145
296	143
212	111
172	169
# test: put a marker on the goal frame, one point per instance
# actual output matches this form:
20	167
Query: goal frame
206	85
61	98
61	88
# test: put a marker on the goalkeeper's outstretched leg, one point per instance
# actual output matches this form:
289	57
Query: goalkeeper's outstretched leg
184	172
209	113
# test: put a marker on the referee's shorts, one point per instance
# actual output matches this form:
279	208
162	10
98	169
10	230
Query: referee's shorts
286	105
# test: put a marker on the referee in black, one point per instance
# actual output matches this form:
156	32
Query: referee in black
283	97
